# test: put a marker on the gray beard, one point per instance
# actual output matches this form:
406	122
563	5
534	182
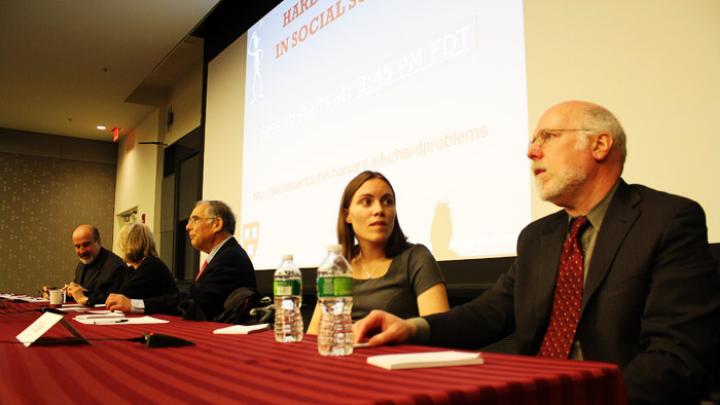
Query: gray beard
560	184
87	261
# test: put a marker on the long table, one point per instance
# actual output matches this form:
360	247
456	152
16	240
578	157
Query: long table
255	369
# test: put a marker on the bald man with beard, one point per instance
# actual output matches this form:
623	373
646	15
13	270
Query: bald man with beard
99	272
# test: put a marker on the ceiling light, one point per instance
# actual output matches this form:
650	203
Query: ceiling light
101	127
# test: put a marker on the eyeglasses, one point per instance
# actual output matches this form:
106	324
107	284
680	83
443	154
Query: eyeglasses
194	220
545	135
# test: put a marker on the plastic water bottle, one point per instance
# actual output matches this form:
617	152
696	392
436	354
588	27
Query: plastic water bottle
334	289
287	289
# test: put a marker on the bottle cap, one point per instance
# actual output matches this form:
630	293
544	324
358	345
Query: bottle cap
287	256
334	249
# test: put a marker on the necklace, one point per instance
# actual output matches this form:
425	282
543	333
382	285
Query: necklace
359	261
365	270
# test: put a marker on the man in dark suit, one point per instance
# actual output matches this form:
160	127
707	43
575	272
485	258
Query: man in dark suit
210	227
99	271
648	294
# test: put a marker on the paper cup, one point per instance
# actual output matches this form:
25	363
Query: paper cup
56	297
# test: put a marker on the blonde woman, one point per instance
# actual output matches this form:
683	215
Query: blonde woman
147	275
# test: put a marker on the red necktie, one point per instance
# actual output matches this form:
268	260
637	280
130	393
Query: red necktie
202	268
567	300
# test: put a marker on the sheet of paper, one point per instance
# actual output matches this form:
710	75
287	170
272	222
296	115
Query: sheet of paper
241	329
103	321
22	297
117	320
428	359
73	309
145	320
101	315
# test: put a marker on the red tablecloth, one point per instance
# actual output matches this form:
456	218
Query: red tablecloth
255	369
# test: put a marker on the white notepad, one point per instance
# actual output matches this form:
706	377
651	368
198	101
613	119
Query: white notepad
241	329
423	360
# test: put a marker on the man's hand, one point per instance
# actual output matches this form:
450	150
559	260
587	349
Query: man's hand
77	292
45	290
73	288
118	302
80	297
382	328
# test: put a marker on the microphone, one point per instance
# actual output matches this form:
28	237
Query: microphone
158	340
51	309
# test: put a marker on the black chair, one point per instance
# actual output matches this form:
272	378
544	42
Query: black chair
236	308
238	305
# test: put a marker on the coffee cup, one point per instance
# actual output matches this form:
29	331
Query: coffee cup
56	297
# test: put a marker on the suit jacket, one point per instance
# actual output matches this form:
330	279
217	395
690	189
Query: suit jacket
651	301
229	269
151	279
104	275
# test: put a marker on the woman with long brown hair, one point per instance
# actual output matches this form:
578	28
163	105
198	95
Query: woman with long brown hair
388	272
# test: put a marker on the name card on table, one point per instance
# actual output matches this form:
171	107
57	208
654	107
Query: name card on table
37	329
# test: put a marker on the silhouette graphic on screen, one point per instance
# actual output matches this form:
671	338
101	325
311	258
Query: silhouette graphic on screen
256	54
441	233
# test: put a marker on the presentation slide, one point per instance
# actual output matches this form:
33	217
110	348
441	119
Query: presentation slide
431	94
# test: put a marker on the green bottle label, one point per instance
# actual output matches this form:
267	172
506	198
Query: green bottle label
334	287
283	288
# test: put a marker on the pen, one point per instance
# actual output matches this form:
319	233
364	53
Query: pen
105	322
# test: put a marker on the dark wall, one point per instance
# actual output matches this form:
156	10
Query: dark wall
49	185
228	20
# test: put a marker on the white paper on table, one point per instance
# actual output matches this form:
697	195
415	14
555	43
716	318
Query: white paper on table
104	321
145	320
103	315
24	298
423	360
73	309
117	320
241	329
109	318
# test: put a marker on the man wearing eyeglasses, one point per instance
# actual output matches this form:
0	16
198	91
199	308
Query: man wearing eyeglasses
623	273
227	267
